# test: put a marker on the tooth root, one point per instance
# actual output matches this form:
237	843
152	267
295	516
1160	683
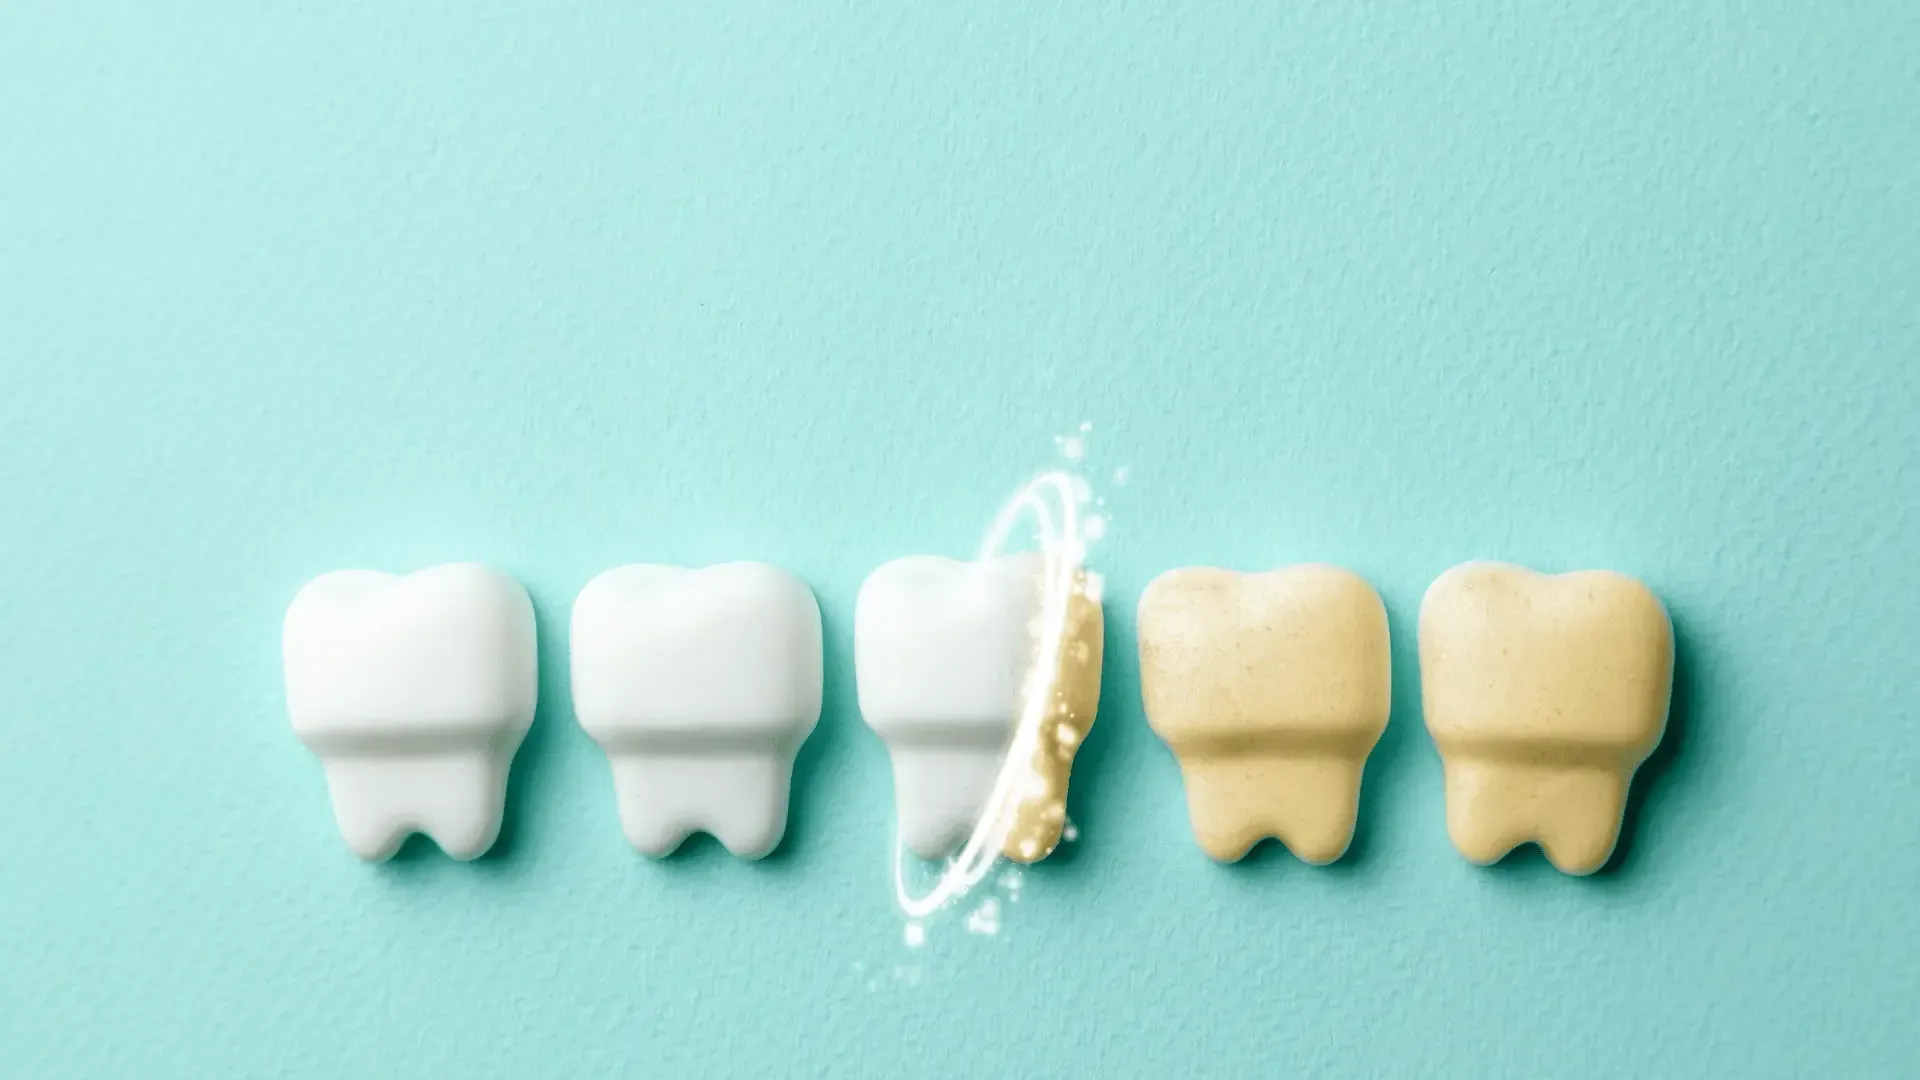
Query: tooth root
1488	812
1579	819
373	827
415	692
1309	803
700	685
1271	689
653	812
946	655
1573	811
940	792
666	797
456	800
1543	694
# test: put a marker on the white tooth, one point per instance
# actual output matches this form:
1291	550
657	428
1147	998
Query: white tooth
415	692
1544	693
700	685
943	651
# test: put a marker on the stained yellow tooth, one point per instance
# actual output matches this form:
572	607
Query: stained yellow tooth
1039	814
1543	693
1271	689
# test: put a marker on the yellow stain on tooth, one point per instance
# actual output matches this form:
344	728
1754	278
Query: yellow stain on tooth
1544	693
1038	813
1271	689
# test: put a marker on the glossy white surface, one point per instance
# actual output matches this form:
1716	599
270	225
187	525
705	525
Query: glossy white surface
700	684
415	692
942	648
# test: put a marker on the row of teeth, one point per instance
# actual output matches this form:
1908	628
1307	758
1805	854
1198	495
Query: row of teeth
701	685
1542	693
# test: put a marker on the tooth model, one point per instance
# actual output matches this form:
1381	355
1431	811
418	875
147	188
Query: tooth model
1543	693
949	659
414	691
1271	689
700	685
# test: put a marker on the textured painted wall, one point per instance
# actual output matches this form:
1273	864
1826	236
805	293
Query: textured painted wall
289	287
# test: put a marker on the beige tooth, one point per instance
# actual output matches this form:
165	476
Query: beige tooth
1543	693
1271	689
1039	815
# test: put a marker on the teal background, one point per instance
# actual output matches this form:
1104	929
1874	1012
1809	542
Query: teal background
292	287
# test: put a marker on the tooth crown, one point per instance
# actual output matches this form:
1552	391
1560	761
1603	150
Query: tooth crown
700	684
415	691
725	653
379	658
1271	689
942	647
1544	693
946	653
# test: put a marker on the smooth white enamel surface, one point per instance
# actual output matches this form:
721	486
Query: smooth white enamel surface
415	692
700	684
942	648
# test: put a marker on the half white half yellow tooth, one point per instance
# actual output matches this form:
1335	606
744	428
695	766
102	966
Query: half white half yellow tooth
1271	689
946	654
1544	693
415	692
700	685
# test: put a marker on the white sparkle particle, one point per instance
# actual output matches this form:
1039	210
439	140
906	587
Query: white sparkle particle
985	919
1094	587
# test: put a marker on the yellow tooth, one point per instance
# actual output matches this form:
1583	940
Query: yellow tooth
1271	689
1543	693
1039	814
